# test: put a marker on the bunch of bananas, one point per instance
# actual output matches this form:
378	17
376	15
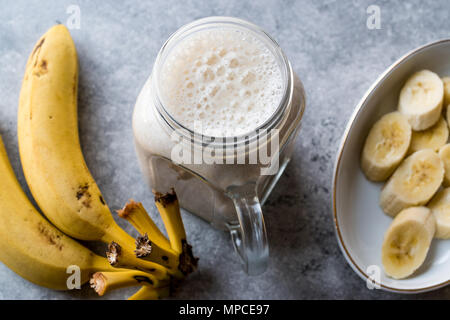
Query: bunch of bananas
64	189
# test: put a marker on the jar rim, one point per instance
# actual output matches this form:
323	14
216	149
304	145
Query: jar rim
209	22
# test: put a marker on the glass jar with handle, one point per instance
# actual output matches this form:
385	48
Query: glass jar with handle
217	120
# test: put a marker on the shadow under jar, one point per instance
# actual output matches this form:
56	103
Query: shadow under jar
216	120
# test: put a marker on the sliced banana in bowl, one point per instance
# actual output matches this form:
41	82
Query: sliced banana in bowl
440	208
414	182
431	138
359	219
446	81
385	146
406	242
444	154
421	99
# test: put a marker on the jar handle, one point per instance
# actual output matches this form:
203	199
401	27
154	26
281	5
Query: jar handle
249	236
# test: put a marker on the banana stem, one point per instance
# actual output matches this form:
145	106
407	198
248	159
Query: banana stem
135	213
143	246
103	282
122	258
150	293
169	209
144	250
116	234
157	247
153	252
101	264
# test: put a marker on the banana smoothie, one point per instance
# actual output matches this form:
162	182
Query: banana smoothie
225	79
219	78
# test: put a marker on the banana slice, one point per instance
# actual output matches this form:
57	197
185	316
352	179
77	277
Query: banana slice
414	182
444	154
446	81
431	138
440	207
385	146
406	242
421	99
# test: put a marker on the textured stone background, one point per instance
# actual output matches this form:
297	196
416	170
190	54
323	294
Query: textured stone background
334	53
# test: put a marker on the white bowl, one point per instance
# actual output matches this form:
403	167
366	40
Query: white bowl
360	223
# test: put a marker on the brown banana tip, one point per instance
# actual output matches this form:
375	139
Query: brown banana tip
143	246
97	282
113	253
166	198
128	209
41	42
188	263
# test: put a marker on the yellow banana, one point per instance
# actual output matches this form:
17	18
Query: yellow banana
31	246
152	243
135	213
118	257
169	209
50	150
104	282
150	293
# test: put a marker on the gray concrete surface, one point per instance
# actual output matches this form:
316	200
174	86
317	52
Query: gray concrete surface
332	50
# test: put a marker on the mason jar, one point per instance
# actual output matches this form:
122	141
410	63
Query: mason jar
218	178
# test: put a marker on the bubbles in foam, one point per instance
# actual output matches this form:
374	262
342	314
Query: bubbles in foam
225	78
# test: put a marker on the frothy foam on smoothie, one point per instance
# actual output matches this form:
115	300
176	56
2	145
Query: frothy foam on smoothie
225	79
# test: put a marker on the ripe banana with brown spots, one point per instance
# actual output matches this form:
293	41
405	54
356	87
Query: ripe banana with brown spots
31	246
50	150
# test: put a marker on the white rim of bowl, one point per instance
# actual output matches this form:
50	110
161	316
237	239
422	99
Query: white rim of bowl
342	145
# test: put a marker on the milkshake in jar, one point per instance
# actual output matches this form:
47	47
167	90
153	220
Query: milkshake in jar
216	120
